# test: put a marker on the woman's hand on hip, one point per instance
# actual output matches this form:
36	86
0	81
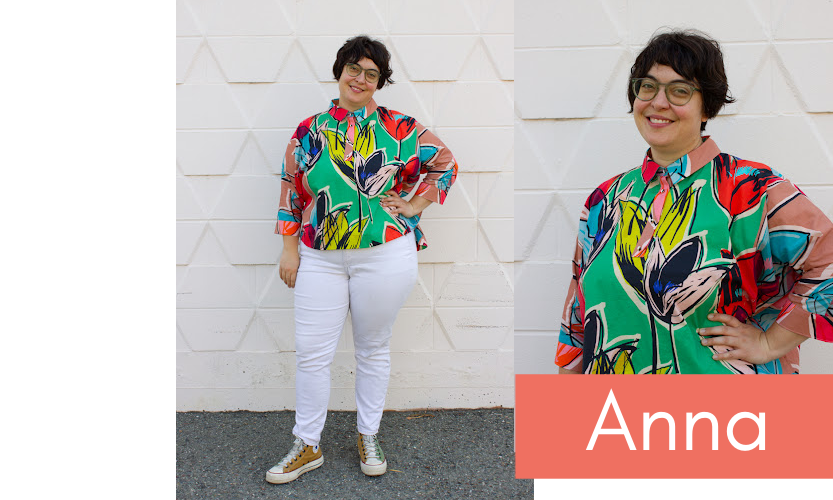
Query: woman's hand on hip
395	204
290	261
748	343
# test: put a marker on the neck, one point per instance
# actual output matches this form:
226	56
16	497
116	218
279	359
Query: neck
665	157
349	107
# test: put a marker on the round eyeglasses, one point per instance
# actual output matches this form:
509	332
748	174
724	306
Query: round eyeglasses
371	75
677	93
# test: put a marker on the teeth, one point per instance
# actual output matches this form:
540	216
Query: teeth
658	120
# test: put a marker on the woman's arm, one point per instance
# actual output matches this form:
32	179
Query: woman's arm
438	165
748	343
569	349
800	239
291	209
407	208
290	213
290	260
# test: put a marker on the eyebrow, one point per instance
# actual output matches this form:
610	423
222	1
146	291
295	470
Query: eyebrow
369	69
679	80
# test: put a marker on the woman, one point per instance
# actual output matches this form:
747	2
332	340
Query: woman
695	261
345	172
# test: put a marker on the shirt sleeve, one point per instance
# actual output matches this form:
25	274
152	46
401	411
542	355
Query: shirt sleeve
569	350
439	165
801	243
291	206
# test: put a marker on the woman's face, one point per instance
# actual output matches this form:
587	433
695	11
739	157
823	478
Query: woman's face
671	131
354	92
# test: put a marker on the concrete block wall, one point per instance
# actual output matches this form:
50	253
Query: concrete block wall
248	71
572	130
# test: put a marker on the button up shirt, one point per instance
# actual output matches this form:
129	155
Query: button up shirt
733	236
339	164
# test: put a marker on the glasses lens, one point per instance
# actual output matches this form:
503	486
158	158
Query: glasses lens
645	88
371	76
353	69
678	93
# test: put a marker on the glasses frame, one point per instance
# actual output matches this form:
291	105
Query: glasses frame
635	90
370	75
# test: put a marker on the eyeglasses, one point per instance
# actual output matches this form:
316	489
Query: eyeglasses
371	75
677	93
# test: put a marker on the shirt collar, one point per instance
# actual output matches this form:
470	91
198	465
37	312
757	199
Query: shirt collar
340	113
683	167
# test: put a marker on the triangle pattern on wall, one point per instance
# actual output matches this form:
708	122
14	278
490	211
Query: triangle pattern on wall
247	73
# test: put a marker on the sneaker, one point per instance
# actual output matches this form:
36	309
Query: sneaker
373	458
301	458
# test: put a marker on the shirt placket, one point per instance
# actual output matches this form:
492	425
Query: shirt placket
350	137
654	214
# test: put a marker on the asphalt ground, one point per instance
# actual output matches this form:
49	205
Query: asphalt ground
454	454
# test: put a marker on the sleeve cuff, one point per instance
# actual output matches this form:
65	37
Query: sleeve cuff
430	193
288	228
795	319
568	356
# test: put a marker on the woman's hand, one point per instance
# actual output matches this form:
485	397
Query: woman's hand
748	343
290	261
394	204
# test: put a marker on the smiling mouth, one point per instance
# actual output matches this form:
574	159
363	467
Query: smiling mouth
356	89
658	120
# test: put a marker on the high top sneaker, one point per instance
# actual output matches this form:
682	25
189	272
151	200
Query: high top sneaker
373	458
301	458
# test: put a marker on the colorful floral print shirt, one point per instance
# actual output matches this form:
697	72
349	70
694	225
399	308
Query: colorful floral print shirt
733	236
339	164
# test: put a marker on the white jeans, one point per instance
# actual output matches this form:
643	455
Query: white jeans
373	283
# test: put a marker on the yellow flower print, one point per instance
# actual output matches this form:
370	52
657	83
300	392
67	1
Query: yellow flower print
674	223
630	228
365	142
335	148
338	234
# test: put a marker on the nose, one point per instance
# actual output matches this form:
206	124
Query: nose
660	101
361	77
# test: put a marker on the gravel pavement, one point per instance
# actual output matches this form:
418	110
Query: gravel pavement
447	454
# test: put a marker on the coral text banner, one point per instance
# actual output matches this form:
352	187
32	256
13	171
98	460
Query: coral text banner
724	426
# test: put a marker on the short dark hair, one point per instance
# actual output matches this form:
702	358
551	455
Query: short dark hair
364	46
696	57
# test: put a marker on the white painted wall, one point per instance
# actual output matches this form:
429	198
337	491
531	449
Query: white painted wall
571	136
248	71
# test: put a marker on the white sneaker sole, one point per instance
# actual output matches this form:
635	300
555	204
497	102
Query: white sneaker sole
285	477
374	470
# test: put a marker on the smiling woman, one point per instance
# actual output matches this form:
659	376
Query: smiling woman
671	128
708	263
350	242
357	84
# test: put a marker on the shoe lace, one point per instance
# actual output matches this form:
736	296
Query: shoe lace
371	447
294	452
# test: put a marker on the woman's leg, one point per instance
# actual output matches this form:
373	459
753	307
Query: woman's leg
381	278
321	303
